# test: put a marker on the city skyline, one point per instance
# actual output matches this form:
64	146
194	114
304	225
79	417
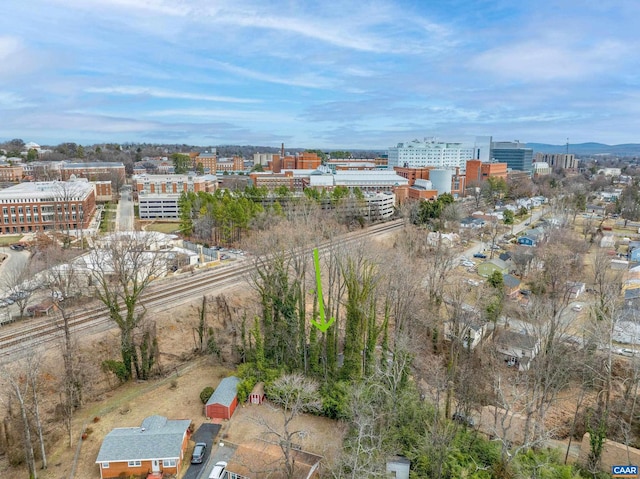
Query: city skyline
319	75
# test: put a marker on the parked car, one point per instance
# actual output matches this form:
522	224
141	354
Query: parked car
16	247
577	308
198	453
218	470
480	255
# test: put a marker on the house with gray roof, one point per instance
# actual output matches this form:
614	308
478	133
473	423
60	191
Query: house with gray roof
157	446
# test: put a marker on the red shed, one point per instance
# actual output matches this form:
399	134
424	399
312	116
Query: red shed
224	399
257	394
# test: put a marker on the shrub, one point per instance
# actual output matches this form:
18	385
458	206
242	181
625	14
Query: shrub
116	367
245	387
205	394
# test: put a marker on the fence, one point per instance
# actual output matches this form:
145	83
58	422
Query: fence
208	253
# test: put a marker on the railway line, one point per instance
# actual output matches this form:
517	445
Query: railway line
19	338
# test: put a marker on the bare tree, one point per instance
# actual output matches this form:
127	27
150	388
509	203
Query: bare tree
19	282
121	271
294	395
63	280
21	384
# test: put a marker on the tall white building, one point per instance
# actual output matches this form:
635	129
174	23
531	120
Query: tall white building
449	155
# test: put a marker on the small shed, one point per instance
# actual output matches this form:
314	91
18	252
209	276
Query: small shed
224	399
257	394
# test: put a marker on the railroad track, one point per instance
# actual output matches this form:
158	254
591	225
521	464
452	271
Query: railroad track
20	338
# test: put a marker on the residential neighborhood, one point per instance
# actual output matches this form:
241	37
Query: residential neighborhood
509	271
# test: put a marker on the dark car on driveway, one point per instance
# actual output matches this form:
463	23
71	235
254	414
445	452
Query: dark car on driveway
480	255
198	453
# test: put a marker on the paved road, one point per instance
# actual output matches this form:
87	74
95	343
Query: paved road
481	246
14	262
124	216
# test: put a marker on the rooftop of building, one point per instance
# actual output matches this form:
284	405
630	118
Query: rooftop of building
47	190
93	164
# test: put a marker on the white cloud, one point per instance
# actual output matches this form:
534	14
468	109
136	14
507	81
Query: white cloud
161	93
550	58
307	80
10	100
9	46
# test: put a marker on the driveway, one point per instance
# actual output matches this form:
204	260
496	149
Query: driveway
206	433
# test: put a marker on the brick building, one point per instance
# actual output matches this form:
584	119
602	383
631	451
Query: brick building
230	164
273	180
458	181
209	161
96	171
478	171
103	190
11	172
47	206
301	161
162	184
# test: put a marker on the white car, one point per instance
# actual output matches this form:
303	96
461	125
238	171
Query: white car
218	470
577	308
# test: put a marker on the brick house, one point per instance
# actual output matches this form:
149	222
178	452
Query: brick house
157	446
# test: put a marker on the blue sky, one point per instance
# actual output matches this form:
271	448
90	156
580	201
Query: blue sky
319	74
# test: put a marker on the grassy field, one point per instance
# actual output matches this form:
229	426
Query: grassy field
7	240
163	227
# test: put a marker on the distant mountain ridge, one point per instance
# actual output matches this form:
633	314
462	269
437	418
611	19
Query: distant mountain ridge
592	148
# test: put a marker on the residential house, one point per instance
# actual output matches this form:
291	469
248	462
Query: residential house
607	241
532	237
634	256
487	268
157	446
596	209
446	239
511	284
472	222
576	288
469	332
258	459
518	347
224	400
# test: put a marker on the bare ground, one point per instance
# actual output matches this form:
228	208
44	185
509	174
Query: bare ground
175	395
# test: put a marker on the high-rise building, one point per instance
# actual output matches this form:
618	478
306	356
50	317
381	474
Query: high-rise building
563	161
515	154
438	154
418	154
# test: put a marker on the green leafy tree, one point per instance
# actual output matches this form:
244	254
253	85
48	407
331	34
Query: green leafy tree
496	280
181	163
508	217
494	189
32	155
